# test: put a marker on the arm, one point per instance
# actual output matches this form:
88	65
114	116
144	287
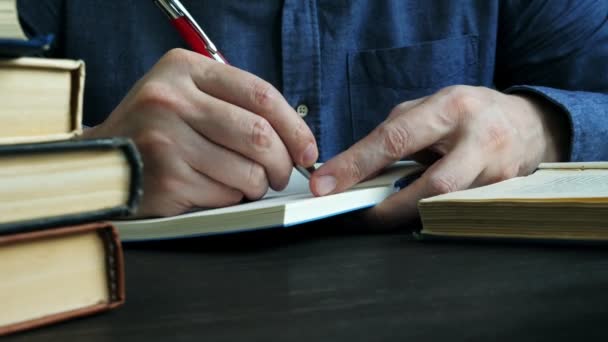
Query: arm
210	134
556	51
550	105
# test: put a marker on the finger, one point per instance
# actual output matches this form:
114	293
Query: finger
406	106
178	195
172	187
243	132
497	173
224	165
455	171
404	133
260	97
203	192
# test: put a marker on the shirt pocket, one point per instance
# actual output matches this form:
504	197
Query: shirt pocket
380	79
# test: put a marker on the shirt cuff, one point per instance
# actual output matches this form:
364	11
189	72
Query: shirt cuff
588	116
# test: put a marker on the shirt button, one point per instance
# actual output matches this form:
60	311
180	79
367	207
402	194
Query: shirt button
302	110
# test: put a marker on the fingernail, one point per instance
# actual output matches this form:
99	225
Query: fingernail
310	156
326	184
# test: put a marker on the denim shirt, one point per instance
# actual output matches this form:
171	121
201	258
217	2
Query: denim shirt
351	62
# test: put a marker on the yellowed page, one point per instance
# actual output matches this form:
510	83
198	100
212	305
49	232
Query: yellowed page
50	276
544	184
44	185
575	165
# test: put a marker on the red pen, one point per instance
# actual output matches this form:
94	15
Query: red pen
190	31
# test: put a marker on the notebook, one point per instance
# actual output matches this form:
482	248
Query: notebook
292	206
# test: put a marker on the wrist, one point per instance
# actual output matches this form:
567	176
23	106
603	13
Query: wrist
554	127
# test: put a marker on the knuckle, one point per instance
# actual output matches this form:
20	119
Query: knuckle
302	136
395	140
153	142
261	134
177	56
158	95
496	137
442	184
301	132
210	73
462	99
356	170
168	185
257	181
262	94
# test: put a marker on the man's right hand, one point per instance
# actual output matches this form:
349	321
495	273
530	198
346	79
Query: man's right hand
209	134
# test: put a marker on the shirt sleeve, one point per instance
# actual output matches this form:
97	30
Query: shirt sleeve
558	50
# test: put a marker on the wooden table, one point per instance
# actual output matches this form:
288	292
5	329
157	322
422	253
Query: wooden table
317	284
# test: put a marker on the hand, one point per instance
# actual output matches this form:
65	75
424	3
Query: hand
209	134
470	136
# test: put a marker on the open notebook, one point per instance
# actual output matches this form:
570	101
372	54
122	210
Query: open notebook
294	205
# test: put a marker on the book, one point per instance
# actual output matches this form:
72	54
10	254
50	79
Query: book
559	201
60	183
13	41
40	99
53	275
292	206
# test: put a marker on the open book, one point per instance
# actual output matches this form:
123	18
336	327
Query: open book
294	205
566	201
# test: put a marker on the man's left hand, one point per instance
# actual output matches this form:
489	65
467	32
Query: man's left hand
469	136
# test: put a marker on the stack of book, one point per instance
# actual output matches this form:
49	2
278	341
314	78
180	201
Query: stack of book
59	256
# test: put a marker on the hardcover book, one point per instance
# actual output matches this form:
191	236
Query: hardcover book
67	182
57	274
40	99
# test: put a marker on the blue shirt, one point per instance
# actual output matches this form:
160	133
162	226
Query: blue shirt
351	62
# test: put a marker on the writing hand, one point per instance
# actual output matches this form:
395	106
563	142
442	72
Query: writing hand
209	134
470	136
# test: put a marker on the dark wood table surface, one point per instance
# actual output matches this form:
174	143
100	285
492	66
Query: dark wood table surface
311	283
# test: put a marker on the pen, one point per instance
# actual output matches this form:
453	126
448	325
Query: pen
196	38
